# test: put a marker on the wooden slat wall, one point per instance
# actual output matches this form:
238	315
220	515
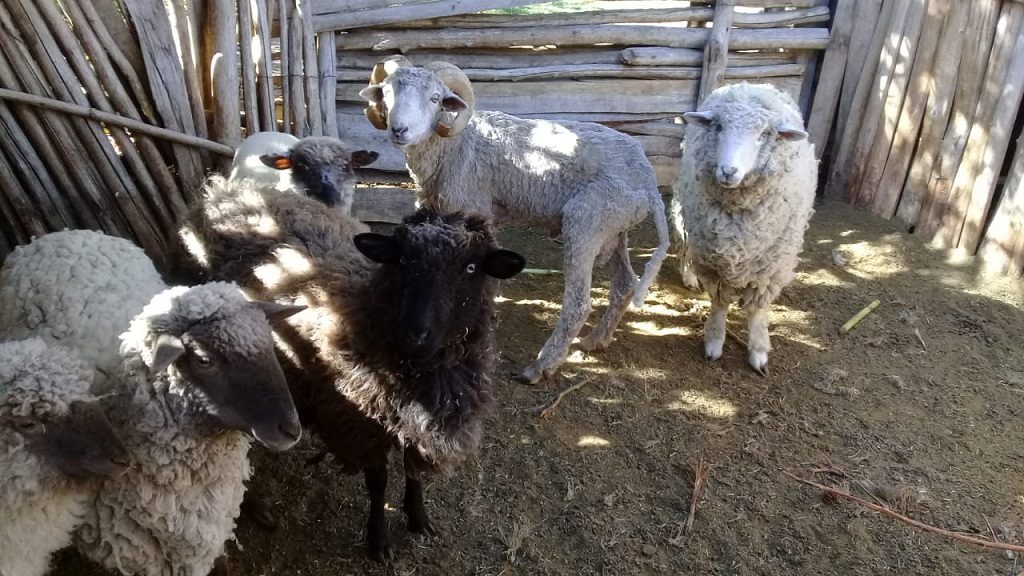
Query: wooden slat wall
926	130
106	106
636	70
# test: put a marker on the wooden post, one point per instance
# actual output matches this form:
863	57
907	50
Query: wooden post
826	96
328	81
1003	247
716	51
264	80
310	72
222	70
296	70
247	59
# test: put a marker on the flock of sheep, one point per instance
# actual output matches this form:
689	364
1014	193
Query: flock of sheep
127	406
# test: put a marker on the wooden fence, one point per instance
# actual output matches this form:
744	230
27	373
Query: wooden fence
917	108
636	70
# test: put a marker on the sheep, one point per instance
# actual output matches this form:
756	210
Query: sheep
583	180
742	200
55	445
319	166
397	346
198	374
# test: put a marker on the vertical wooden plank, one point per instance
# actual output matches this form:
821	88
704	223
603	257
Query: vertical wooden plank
868	101
940	88
989	140
890	182
856	107
296	70
328	81
978	38
247	59
264	73
866	14
833	67
1003	247
310	68
716	51
222	70
284	28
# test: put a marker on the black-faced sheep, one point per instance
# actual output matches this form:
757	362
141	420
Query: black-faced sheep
742	201
197	375
55	445
320	166
397	346
587	181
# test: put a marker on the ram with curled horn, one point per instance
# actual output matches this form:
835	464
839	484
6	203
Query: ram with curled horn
582	180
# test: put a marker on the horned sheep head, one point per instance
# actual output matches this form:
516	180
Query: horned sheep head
412	102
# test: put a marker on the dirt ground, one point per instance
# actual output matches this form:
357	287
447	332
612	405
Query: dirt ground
920	406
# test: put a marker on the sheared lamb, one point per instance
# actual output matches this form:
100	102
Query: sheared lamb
583	180
742	200
397	346
55	446
320	166
197	374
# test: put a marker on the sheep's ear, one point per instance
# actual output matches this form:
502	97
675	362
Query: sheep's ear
378	247
277	161
276	312
503	263
167	349
791	133
452	103
703	119
362	158
373	94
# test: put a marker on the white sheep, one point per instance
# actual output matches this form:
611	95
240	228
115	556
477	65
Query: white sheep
741	203
198	374
55	445
319	166
586	181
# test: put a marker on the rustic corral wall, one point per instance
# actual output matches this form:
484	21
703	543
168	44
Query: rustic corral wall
917	109
636	70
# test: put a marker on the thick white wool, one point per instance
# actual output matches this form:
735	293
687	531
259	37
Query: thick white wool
78	288
171	514
746	238
39	506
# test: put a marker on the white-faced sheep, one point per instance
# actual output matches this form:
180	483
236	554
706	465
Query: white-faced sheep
55	445
198	375
587	181
742	201
320	166
397	346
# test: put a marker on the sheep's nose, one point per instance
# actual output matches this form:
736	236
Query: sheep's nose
291	429
399	131
728	171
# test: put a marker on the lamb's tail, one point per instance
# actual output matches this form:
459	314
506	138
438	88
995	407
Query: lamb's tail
654	264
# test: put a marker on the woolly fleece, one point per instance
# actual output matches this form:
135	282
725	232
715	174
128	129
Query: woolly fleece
171	514
112	279
39	505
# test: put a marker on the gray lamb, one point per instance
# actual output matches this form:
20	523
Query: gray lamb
588	182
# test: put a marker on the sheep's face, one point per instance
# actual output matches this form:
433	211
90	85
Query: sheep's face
229	365
78	442
414	101
324	167
745	143
444	270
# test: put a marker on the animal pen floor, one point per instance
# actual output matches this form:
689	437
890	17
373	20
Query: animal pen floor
931	425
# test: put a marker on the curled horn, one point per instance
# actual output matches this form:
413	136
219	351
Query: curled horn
375	112
456	81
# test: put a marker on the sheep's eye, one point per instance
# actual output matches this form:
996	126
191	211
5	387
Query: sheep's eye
26	426
470	268
204	361
718	127
435	98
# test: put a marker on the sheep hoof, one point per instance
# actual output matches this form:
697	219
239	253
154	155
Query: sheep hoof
421	526
713	349
759	362
532	374
381	551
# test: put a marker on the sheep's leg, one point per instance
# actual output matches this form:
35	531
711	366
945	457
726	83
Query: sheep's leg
759	342
714	328
583	239
376	476
623	284
413	506
686	272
